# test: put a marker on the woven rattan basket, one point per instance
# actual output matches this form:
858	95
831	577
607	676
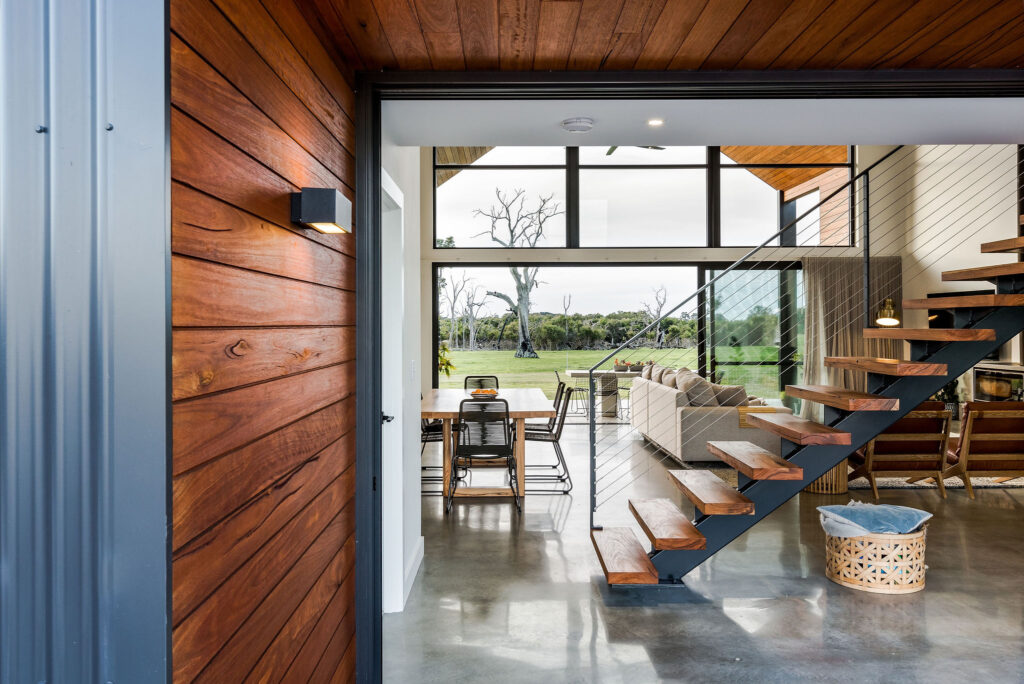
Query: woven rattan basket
882	563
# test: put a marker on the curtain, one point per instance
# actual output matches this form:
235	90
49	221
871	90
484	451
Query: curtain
834	297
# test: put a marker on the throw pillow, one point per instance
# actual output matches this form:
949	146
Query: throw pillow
656	372
730	395
699	391
668	378
646	372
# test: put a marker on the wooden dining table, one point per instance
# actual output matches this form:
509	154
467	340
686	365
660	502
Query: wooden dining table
523	403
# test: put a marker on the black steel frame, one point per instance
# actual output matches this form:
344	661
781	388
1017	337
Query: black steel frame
373	88
572	167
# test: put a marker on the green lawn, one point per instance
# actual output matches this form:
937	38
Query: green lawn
540	372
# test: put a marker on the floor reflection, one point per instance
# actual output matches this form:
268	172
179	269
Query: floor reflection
503	597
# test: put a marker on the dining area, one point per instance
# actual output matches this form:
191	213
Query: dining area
493	441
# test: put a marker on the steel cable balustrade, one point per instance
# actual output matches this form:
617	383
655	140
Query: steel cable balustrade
817	226
922	267
697	426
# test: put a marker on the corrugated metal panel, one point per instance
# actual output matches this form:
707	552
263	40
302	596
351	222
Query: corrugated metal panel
83	326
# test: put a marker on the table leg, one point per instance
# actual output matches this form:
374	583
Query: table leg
520	452
446	453
609	402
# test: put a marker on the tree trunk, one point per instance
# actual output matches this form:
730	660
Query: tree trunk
525	349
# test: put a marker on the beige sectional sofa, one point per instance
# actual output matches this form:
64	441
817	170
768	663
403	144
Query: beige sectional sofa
665	415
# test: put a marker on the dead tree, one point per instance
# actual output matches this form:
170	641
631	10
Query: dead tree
515	225
451	294
654	311
475	302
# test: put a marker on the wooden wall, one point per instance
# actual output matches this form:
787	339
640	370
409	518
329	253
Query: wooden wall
263	350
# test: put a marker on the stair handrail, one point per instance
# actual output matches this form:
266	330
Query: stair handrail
733	266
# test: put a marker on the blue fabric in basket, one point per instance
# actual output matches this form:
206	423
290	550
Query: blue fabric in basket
877	518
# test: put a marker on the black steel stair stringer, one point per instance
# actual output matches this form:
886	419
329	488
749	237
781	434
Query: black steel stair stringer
768	495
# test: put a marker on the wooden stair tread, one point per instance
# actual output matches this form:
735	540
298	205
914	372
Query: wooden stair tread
965	301
984	272
843	399
799	430
755	462
710	494
665	525
622	557
882	366
1003	246
931	334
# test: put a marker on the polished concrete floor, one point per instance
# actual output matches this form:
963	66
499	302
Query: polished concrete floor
503	597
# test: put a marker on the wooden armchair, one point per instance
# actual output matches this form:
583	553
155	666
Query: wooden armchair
913	446
991	442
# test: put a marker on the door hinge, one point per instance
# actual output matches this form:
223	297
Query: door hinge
375	483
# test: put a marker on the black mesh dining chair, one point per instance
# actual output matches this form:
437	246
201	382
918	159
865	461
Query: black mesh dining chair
474	382
485	434
550	424
553	437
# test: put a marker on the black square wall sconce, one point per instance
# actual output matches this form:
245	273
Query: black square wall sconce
323	209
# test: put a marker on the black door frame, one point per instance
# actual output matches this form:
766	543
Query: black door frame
373	88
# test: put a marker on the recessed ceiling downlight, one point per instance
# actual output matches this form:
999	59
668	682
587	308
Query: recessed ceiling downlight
578	124
655	122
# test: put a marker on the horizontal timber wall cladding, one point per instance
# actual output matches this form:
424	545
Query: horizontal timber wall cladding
263	350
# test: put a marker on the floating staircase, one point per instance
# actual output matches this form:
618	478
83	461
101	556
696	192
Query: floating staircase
810	449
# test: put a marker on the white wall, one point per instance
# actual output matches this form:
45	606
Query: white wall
962	196
402	164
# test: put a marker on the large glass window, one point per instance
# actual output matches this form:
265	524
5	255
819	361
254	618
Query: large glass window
643	207
755	321
500	197
629	196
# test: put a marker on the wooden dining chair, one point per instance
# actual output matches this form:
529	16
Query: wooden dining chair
991	442
473	382
913	446
484	435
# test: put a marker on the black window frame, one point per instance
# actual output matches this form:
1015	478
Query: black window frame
713	187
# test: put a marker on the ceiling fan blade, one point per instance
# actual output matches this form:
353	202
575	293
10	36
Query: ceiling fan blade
610	150
651	147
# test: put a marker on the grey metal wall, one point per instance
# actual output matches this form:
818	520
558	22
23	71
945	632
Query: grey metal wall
84	308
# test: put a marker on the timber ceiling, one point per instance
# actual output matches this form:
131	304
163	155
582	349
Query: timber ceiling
787	179
670	34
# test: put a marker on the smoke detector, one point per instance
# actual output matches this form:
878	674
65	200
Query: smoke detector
578	124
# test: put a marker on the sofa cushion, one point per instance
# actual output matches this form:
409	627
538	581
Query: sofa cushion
668	378
646	372
656	373
699	391
730	395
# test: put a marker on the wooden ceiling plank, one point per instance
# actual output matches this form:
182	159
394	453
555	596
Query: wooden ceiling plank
941	27
627	45
364	28
966	57
592	42
554	34
900	30
323	19
824	28
517	33
445	50
867	25
478	20
1006	52
736	41
402	31
672	25
794	21
712	24
970	34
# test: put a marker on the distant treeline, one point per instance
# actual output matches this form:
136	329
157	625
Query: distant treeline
553	331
